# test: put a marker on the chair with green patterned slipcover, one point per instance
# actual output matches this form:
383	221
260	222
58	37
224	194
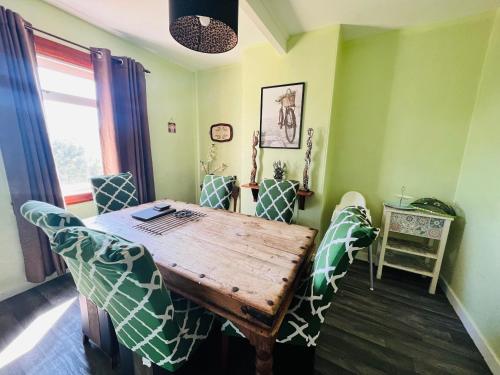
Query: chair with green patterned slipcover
216	191
276	200
121	278
349	232
114	192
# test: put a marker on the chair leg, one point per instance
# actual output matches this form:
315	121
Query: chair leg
224	354
370	261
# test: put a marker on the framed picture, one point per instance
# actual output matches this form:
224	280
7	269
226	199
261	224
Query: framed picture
172	127
221	132
281	110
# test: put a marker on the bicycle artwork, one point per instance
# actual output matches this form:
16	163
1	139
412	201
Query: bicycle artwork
281	116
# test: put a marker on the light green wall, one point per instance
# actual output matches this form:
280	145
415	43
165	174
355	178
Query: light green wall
472	267
403	103
171	94
234	92
219	101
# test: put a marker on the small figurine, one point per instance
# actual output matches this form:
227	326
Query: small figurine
279	170
307	167
255	142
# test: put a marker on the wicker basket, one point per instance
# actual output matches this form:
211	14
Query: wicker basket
289	98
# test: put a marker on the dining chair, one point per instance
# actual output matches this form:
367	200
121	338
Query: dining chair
216	191
349	232
276	199
354	198
50	219
122	279
114	192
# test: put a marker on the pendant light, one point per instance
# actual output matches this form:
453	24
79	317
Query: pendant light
209	26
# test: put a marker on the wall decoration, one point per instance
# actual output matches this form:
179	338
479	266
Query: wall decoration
279	170
281	110
221	133
206	165
307	166
253	173
172	127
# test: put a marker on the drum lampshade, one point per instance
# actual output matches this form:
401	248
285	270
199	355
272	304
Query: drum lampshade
209	26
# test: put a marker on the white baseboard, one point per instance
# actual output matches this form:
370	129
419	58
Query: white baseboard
489	356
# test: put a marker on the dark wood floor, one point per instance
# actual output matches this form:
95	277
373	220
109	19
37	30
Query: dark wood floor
397	329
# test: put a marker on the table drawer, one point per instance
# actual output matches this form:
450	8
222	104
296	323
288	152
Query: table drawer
422	226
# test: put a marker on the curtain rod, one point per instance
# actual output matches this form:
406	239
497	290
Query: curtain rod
69	41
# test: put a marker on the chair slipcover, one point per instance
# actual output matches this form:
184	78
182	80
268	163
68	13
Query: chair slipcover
121	278
114	192
348	233
277	199
216	191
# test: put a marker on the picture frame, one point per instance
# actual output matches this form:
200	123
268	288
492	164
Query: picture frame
221	132
281	116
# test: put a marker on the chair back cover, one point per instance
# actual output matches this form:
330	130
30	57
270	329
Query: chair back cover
122	278
348	233
114	192
216	191
277	199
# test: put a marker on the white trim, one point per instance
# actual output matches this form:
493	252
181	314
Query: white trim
489	355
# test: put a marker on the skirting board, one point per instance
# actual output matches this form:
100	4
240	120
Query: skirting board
489	356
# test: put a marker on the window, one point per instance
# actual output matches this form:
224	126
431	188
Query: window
69	96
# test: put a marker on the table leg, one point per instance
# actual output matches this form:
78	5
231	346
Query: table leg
263	351
370	260
264	356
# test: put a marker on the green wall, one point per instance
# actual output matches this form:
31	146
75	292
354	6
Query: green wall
403	103
472	263
171	94
234	93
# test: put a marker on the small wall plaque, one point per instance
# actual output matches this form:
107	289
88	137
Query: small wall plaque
221	133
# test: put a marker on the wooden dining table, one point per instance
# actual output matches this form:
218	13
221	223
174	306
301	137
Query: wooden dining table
240	267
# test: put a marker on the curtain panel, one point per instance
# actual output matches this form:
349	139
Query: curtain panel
26	152
123	115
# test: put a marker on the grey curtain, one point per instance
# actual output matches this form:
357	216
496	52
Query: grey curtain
26	151
121	97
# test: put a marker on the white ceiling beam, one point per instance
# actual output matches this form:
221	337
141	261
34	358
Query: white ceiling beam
266	23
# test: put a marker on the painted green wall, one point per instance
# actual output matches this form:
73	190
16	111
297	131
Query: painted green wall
402	108
234	93
472	263
171	94
219	101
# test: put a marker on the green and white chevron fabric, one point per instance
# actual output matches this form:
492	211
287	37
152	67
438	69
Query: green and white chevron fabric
49	218
277	199
122	278
216	191
114	192
349	232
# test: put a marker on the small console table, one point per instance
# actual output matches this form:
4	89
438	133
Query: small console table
413	241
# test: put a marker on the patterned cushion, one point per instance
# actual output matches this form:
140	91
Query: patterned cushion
277	199
48	217
348	233
216	191
114	192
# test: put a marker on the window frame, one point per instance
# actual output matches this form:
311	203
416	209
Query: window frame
58	51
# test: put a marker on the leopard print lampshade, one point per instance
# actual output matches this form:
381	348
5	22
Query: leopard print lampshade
209	26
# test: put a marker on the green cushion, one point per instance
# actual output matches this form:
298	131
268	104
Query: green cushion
48	217
277	199
349	232
216	191
114	192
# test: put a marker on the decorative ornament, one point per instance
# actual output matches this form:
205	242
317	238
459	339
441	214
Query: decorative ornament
255	142
221	133
206	165
279	170
307	167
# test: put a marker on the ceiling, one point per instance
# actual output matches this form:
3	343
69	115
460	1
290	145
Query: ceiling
146	22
